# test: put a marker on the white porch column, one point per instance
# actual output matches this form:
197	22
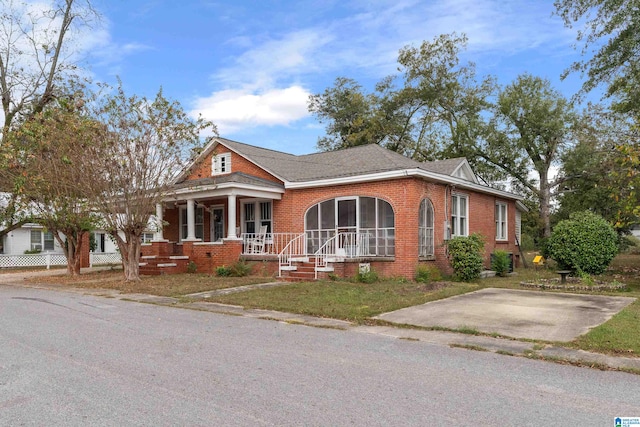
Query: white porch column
159	223
231	204
191	220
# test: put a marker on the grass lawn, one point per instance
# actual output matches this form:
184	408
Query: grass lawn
345	300
167	285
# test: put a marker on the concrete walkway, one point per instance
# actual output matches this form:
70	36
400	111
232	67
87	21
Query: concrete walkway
474	342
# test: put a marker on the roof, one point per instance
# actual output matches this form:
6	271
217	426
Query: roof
363	159
236	177
363	163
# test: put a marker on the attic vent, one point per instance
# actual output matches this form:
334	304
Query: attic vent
221	163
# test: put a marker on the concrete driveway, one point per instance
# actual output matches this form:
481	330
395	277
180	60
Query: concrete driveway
519	314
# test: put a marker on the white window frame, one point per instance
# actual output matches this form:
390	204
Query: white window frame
183	224
425	229
147	237
221	164
502	215
45	241
458	217
257	212
36	245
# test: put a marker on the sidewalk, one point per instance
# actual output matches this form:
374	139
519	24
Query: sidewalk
454	339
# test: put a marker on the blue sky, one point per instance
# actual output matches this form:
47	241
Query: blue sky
249	66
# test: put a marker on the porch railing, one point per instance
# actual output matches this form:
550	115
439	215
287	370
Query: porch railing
340	247
296	248
274	243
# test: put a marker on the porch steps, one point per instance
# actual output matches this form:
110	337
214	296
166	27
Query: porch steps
304	270
153	265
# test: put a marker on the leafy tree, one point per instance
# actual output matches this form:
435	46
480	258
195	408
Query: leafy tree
144	144
35	58
531	130
55	166
610	39
432	109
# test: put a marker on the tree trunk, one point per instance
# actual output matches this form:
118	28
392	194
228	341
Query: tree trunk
130	252
545	204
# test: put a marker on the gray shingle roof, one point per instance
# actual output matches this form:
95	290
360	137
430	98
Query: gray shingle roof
360	160
236	177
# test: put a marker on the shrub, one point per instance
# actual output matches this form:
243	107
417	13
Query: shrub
465	256
367	276
585	243
427	274
192	267
240	269
223	271
500	262
32	251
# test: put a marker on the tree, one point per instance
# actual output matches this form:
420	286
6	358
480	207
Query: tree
611	39
532	128
144	144
53	172
35	58
433	109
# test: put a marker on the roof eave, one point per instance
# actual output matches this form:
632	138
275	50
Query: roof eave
403	173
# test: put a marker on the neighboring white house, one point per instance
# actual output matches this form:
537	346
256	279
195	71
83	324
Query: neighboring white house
33	237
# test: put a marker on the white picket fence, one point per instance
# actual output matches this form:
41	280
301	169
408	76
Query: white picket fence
47	260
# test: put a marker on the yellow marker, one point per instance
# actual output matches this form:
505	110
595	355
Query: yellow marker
538	260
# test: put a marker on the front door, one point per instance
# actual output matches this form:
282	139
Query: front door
217	224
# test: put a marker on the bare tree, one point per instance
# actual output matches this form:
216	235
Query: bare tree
144	145
36	56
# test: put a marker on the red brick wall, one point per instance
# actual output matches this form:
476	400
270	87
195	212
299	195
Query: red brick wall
238	164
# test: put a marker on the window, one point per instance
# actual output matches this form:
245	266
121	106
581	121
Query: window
425	229
36	240
256	214
459	214
221	163
147	237
199	223
501	221
48	241
368	216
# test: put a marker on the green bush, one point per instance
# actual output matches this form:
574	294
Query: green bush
500	262
465	256
527	243
223	271
240	269
192	267
427	274
32	251
585	243
368	276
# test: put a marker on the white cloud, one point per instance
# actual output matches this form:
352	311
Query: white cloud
231	110
262	85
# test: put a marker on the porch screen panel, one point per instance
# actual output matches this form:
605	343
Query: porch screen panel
312	228
386	236
368	223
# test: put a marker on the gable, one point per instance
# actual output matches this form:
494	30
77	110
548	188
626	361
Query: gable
234	162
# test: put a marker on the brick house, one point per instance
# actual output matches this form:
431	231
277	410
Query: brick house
325	213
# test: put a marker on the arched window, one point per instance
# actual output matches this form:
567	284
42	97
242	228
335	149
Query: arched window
363	216
425	228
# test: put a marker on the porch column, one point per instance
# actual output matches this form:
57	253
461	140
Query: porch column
231	203
160	223
191	220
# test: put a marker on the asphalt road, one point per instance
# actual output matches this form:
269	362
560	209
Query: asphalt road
73	360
